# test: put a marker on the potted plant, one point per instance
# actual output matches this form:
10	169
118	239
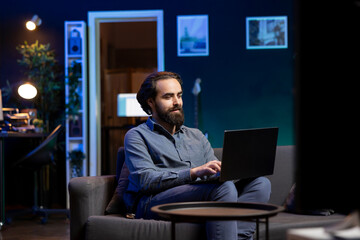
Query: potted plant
41	68
76	161
39	125
73	101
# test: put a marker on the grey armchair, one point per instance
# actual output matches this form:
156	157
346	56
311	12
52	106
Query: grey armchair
97	211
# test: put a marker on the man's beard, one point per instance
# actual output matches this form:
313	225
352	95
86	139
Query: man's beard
173	118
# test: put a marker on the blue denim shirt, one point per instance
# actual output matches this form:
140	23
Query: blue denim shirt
158	160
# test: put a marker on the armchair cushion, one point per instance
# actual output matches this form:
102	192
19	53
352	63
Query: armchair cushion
114	227
117	205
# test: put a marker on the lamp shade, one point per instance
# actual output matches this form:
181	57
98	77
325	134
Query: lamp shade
27	91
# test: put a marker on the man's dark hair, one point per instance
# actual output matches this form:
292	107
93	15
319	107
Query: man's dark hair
148	88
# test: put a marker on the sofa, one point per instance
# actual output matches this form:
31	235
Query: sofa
97	212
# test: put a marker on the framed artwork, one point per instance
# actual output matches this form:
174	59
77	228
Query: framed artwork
192	35
266	32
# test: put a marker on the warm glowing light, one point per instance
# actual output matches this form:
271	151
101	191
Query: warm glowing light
30	25
27	91
33	23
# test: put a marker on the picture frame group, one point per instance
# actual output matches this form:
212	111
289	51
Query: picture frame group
263	32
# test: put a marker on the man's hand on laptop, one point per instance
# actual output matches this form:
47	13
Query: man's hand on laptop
205	170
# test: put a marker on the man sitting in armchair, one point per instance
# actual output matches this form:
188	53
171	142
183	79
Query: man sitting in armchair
166	159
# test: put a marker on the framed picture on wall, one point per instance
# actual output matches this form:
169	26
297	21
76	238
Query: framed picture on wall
266	32
192	35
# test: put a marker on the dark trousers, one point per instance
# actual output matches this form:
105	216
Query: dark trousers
250	190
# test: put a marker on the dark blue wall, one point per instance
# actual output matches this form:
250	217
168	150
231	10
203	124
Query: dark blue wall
240	88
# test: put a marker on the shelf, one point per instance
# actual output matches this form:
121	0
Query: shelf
75	56
75	138
76	132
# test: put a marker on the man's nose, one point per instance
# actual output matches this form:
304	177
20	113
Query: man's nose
176	100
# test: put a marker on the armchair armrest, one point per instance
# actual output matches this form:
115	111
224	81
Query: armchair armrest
88	196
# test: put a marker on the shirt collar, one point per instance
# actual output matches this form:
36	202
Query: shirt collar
155	126
150	123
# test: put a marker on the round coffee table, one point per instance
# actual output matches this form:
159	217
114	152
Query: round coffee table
220	211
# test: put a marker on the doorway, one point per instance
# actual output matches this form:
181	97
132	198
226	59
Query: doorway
124	47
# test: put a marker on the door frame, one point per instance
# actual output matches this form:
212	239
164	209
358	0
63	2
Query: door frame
94	20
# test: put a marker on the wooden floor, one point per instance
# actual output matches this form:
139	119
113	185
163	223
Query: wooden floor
57	228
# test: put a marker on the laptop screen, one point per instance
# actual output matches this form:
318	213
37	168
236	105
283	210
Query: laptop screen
248	153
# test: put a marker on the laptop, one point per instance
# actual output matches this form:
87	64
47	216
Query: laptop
247	153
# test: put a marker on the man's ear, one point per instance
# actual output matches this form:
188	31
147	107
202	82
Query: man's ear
151	103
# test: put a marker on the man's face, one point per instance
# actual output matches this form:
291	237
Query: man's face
168	103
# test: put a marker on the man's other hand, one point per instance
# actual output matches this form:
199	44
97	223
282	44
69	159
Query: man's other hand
207	169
